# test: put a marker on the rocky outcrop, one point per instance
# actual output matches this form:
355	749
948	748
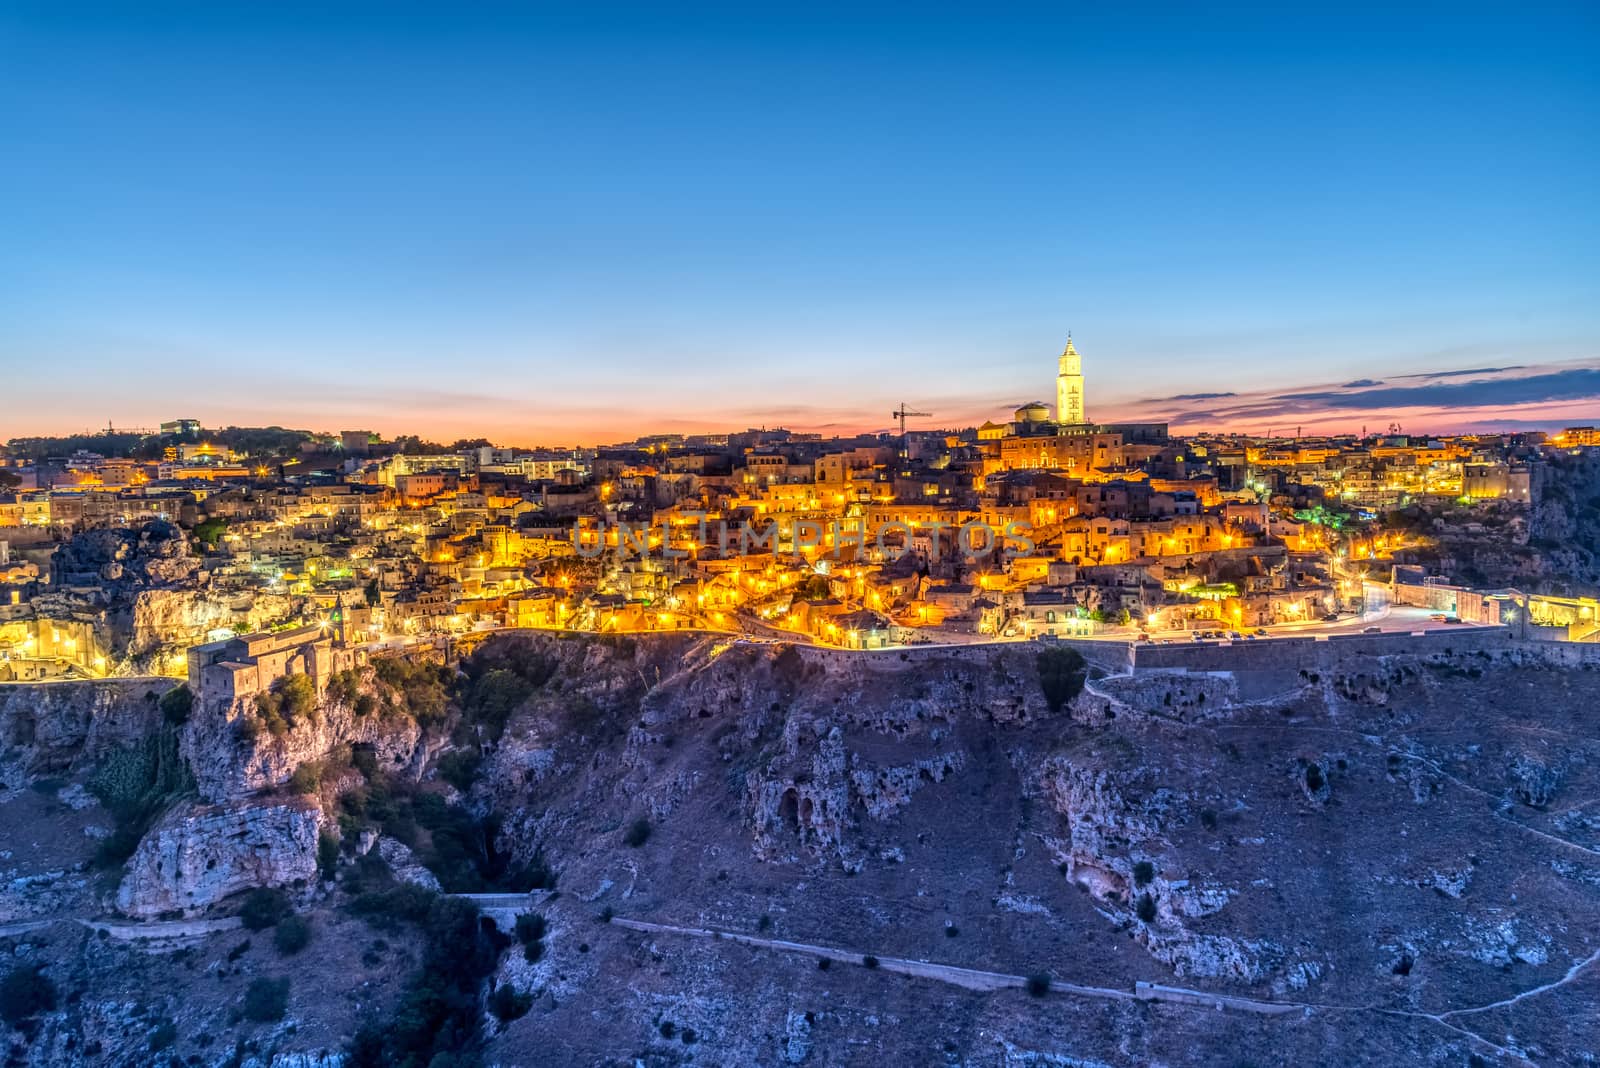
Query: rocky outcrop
199	854
230	764
57	727
1533	782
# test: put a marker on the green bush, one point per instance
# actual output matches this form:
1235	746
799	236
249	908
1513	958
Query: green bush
436	1020
530	931
1143	872
327	856
870	961
263	907
136	784
459	768
176	704
307	778
345	687
507	1004
1146	908
24	993
1039	984
530	927
266	1000
1062	672
293	934
423	688
638	833
291	700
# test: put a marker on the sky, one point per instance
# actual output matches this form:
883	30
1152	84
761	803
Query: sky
550	225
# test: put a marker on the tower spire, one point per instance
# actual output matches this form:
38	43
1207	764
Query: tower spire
1069	386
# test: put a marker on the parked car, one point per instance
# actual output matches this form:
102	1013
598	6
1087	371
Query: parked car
1452	619
1261	632
1372	630
1331	617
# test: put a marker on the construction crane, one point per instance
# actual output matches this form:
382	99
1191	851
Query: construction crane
903	413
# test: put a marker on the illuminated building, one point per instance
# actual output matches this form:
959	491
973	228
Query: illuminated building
1069	387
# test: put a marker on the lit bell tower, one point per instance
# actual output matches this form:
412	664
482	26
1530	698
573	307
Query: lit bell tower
1069	387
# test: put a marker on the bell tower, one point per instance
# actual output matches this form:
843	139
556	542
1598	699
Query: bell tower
1069	387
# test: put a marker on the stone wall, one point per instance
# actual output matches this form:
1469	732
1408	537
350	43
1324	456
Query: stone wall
1296	654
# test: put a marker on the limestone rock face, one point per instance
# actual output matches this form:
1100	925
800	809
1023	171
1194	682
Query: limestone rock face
1533	782
62	726
199	854
228	765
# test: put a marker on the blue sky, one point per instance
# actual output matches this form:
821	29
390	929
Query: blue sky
545	224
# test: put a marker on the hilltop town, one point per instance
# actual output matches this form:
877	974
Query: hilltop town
120	552
333	752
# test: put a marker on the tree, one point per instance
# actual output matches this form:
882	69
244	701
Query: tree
263	907
266	1000
293	934
176	704
1062	672
24	993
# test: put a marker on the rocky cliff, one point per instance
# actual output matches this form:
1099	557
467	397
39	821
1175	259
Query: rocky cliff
198	855
1391	855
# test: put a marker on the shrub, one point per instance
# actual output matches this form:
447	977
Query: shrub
870	961
459	768
1146	908
1143	872
406	902
1039	984
490	699
307	778
136	784
345	687
951	930
24	993
327	856
165	1034
263	907
436	1020
824	963
530	931
266	1000
1061	675
176	704
293	934
638	833
507	1004
422	687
